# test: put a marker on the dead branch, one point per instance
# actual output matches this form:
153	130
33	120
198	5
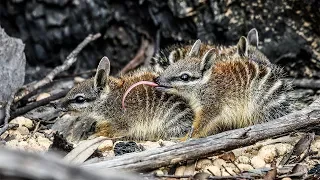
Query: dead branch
139	58
35	166
70	60
6	125
36	104
164	156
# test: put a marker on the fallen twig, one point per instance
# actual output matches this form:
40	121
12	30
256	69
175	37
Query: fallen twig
6	125
70	60
168	155
139	58
36	104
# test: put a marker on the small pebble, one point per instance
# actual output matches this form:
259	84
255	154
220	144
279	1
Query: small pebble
44	142
22	121
165	143
12	144
23	130
158	172
283	148
317	144
201	163
257	162
243	160
245	167
42	96
268	153
180	171
16	135
219	162
150	145
23	145
214	169
106	145
286	178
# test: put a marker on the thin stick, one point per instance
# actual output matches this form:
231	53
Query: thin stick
7	113
138	59
36	104
226	170
70	60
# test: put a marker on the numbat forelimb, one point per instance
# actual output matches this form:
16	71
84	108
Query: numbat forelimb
149	114
227	90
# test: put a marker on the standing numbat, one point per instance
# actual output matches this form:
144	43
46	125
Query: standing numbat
227	88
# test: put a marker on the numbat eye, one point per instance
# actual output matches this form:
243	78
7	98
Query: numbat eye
80	99
185	77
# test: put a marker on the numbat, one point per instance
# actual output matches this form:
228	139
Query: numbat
149	114
227	90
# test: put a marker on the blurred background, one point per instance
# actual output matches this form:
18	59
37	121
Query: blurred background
289	31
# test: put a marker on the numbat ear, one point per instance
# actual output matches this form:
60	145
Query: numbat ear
207	60
102	74
242	46
195	49
253	38
174	56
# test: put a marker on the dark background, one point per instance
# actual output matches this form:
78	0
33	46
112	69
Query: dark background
289	30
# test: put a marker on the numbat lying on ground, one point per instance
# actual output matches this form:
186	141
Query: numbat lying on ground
150	114
227	91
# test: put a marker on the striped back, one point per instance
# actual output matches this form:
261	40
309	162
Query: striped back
149	114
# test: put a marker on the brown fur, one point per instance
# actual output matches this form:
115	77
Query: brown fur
228	88
149	114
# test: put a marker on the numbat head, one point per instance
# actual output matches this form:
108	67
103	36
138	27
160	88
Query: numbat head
227	90
149	114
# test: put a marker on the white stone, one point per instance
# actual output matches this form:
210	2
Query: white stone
150	145
243	160
245	167
106	145
316	144
201	163
283	148
23	130
165	143
257	162
180	170
219	163
44	142
22	121
268	153
13	144
214	169
286	178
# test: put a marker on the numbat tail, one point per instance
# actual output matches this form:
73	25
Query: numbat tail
149	114
227	90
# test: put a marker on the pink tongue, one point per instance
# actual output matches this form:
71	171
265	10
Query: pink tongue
149	83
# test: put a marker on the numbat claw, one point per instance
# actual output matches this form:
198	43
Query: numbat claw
149	83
